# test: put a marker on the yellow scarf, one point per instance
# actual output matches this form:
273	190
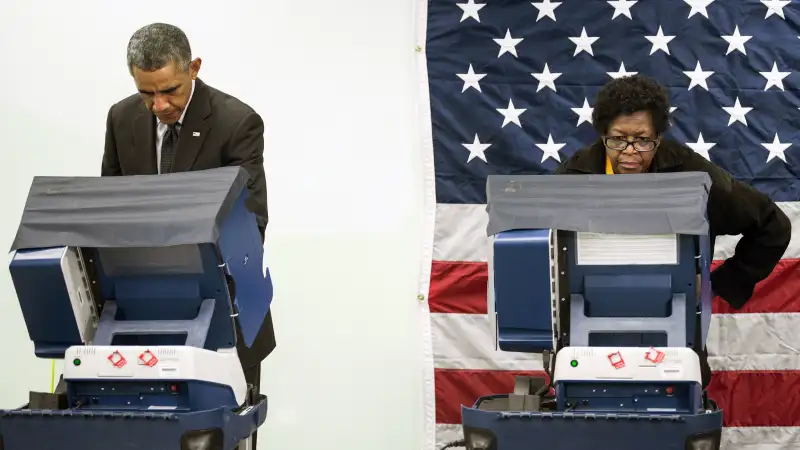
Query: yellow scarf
609	169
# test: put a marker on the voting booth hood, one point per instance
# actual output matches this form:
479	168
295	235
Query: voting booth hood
633	214
648	230
641	204
171	241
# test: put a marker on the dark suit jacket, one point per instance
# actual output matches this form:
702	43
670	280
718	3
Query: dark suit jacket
217	130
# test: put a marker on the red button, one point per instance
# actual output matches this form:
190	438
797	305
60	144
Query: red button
669	390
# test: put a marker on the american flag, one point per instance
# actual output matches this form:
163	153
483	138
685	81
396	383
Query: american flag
508	88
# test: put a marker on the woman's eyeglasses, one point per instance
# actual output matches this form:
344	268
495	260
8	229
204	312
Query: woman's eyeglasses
640	145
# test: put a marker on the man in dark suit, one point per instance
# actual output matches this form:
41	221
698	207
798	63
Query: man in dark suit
177	123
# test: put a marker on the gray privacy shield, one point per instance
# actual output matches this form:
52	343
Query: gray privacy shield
129	211
659	203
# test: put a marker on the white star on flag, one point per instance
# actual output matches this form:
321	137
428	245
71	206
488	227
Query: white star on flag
546	9
775	7
737	112
511	114
550	149
471	10
774	77
660	41
546	79
776	149
471	79
698	76
476	149
584	112
508	44
701	147
622	8
736	41
622	72
698	7
583	43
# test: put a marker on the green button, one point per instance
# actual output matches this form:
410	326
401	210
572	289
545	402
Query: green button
574	363
76	362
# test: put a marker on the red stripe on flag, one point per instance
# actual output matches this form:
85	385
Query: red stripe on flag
462	387
460	288
776	294
748	399
757	399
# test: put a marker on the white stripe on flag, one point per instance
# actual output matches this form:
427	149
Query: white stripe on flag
460	234
465	341
747	341
766	341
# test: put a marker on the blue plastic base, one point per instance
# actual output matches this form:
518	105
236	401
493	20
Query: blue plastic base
587	431
82	430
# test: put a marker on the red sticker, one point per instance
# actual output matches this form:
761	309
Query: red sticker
654	355
117	359
148	359
616	360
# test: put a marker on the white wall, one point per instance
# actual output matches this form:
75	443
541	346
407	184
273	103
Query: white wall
335	83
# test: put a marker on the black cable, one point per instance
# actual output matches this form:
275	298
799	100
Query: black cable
548	405
462	443
546	387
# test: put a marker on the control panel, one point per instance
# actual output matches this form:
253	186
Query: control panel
647	364
629	397
138	395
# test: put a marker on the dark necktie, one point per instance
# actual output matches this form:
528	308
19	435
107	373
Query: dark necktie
168	145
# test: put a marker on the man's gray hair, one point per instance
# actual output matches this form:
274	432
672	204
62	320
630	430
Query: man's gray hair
154	46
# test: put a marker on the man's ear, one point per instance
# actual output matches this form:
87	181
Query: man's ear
194	67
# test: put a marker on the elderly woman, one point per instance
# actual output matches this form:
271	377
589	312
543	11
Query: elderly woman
631	117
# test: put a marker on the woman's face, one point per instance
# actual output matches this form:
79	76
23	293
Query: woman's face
636	133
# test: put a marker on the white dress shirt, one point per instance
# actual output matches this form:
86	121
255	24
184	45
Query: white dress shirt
161	130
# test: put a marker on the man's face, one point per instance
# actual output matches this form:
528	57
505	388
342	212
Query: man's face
637	130
166	91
